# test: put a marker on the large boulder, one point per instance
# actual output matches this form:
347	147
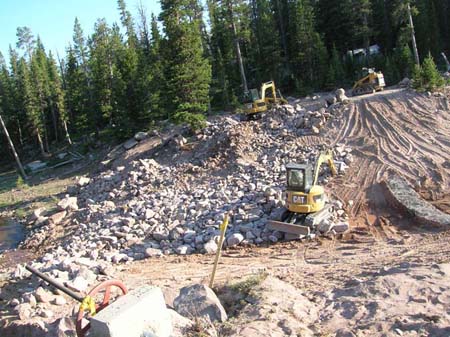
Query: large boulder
235	239
406	82
83	181
139	136
68	204
199	301
130	143
341	97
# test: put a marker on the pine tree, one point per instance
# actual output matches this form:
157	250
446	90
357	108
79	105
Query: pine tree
29	102
25	40
16	100
307	51
130	103
41	89
336	74
80	66
156	74
56	97
404	61
226	78
101	66
267	51
427	77
188	73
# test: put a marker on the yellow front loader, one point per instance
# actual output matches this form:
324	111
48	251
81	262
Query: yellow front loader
305	199
256	103
371	82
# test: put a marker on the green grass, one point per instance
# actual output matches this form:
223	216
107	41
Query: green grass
246	286
8	181
18	196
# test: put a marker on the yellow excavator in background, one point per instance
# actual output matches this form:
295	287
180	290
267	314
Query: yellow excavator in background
371	82
305	199
256	103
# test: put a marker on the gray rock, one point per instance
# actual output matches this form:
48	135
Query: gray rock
68	203
129	222
83	181
331	100
130	143
199	301
36	165
234	239
180	324
210	247
20	272
57	218
29	298
250	236
153	252
183	250
325	226
341	227
46	313
273	238
341	97
59	300
64	327
159	236
87	274
24	311
43	295
36	214
14	302
140	136
41	221
78	284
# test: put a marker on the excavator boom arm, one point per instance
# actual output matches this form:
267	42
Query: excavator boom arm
326	156
265	86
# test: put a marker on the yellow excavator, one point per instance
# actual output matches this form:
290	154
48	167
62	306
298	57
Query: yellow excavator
371	82
305	199
256	103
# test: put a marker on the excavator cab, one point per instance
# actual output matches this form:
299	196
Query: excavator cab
305	198
256	103
299	177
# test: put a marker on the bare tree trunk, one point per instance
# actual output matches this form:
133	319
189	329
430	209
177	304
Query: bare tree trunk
47	148
20	132
67	132
282	30
13	149
41	144
238	48
413	36
55	123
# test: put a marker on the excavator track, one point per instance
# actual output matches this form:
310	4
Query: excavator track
298	223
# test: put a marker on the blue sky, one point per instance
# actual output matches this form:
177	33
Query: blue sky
53	20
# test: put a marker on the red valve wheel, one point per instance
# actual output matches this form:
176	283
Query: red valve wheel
106	286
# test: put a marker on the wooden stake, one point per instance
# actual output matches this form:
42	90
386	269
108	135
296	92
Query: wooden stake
223	229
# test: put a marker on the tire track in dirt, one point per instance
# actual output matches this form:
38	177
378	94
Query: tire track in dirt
406	133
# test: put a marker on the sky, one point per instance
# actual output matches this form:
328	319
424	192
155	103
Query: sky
53	20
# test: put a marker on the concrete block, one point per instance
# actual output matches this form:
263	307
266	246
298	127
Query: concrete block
141	312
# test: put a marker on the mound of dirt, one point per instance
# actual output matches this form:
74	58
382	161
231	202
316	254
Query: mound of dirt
406	301
401	132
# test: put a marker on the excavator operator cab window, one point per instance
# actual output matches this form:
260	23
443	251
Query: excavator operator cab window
254	94
296	179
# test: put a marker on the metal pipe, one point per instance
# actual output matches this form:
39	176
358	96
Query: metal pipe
56	284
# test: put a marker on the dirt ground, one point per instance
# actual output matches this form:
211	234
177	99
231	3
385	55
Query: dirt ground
396	263
388	276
